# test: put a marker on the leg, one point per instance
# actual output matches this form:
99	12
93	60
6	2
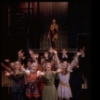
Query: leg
53	44
14	96
19	96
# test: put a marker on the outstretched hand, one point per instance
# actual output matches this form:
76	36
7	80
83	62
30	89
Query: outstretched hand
7	60
22	67
78	53
59	70
7	73
55	52
39	73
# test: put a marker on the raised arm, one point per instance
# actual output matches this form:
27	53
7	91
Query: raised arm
5	67
74	61
27	72
59	70
40	73
56	60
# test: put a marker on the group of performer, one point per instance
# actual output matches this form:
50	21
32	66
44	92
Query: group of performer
46	77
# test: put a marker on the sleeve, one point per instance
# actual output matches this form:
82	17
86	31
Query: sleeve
54	73
27	72
71	65
20	74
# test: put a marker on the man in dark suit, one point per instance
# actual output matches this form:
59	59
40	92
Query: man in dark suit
76	81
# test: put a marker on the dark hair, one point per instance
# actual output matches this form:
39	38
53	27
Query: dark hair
65	59
30	60
48	61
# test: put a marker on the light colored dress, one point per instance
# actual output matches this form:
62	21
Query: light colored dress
64	90
49	91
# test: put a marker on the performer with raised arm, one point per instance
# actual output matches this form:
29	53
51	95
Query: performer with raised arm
49	90
17	77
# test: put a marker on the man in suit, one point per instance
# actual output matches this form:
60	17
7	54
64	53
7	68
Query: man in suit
76	81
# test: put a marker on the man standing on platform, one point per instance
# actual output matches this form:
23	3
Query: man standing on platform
53	33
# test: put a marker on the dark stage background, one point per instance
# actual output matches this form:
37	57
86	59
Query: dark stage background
24	23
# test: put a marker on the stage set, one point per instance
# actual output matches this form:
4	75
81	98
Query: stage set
41	28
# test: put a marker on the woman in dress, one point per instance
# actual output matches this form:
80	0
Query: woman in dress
64	90
32	88
49	91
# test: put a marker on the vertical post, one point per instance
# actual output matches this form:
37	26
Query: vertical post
38	26
8	17
28	30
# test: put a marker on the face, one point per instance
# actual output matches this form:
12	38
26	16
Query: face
28	64
46	54
34	65
17	65
33	69
42	60
65	64
33	56
54	21
48	66
44	66
64	51
12	64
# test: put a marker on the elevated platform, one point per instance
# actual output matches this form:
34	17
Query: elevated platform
61	42
59	50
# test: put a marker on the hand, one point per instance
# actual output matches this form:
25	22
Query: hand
22	67
55	52
19	51
6	60
59	70
38	73
78	53
7	73
30	51
48	36
24	57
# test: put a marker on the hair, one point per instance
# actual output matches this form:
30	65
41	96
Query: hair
19	63
48	61
64	59
29	60
80	47
64	48
42	58
66	71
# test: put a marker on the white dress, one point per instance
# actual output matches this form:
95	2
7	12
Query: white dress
64	90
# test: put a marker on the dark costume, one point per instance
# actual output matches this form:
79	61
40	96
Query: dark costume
17	86
76	81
